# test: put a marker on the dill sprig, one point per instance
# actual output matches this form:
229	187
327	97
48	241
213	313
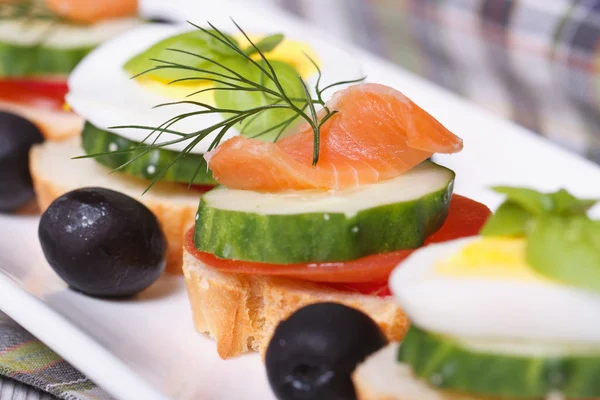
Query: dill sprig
229	79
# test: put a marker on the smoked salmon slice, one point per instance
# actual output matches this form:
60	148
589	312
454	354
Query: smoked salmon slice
377	134
86	11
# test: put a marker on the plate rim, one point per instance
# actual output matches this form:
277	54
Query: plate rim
107	370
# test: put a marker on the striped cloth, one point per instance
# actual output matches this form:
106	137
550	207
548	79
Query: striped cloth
533	61
25	359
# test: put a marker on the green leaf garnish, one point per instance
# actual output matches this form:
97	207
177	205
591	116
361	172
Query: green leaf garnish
278	92
566	249
562	242
266	44
260	125
510	219
533	201
523	205
194	43
564	203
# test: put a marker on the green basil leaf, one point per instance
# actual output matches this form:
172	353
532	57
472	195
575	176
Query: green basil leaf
531	200
510	219
254	126
195	42
524	205
266	44
564	203
566	250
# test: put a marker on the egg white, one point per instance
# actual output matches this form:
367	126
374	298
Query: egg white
483	308
101	91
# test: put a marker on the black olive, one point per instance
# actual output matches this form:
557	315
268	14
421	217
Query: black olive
102	243
17	135
313	353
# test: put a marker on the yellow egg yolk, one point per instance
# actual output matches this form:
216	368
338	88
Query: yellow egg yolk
289	51
494	258
294	53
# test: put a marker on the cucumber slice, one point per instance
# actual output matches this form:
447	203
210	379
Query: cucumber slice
453	365
95	140
19	60
320	226
45	47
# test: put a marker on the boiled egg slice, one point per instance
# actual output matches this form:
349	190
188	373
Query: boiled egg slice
483	288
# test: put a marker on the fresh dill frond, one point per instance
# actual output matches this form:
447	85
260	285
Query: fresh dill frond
228	79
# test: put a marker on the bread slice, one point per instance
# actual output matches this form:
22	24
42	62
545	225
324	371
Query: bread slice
381	377
55	173
54	125
241	312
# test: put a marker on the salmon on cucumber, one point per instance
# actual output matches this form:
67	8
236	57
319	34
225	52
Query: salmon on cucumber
335	228
371	191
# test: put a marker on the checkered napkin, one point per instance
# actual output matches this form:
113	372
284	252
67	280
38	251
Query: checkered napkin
25	359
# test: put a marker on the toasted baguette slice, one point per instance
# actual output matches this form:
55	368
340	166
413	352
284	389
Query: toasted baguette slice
54	125
382	377
241	312
55	173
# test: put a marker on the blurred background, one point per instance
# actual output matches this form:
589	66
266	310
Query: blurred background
532	61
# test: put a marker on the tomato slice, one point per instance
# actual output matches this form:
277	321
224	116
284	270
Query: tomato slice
465	218
201	188
47	94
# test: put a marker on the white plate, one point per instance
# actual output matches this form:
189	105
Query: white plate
147	349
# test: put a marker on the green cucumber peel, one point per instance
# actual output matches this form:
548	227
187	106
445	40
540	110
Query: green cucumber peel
190	170
231	224
38	60
449	364
562	242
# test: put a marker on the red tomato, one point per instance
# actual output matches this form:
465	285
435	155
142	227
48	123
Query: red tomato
365	275
201	188
47	94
